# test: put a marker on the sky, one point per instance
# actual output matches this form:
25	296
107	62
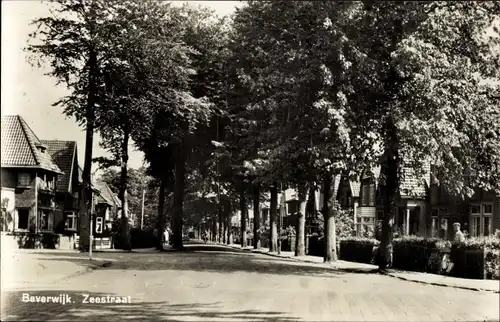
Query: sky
26	91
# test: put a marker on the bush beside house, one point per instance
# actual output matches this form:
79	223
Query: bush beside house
478	259
419	254
359	249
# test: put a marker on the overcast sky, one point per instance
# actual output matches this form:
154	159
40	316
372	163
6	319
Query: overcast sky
27	92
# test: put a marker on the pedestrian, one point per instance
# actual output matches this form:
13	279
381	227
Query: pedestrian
456	250
166	236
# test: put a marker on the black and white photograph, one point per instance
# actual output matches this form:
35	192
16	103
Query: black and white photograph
250	160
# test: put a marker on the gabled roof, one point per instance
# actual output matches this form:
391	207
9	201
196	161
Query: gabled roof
106	196
22	148
355	188
64	155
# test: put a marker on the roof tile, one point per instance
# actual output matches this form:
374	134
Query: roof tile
19	146
64	154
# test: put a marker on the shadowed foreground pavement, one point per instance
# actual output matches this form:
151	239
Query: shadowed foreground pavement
215	283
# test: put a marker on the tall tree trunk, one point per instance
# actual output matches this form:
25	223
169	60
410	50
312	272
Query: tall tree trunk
224	226
300	249
273	240
215	232
86	201
392	163
229	224
280	219
329	220
243	210
160	223
256	217
124	229
221	222
180	172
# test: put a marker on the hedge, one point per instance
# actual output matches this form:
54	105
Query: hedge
418	253
316	246
46	240
478	259
138	239
359	249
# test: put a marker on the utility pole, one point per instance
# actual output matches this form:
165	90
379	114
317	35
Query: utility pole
142	208
143	197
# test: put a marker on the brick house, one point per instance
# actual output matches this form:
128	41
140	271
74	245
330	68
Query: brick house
68	185
28	179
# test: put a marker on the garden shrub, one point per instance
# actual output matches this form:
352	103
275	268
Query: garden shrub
418	253
142	238
479	258
358	249
485	251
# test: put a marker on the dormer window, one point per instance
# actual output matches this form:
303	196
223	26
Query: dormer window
368	193
42	148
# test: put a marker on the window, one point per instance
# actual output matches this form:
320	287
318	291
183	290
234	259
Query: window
434	226
293	207
71	221
481	219
23	218
443	228
24	180
368	195
45	219
365	226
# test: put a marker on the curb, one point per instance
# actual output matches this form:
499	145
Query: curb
374	270
347	270
89	268
469	288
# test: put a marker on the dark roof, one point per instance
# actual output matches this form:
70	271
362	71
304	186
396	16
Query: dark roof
64	154
106	196
20	146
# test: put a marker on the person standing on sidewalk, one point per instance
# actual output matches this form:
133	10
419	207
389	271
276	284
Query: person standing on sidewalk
456	248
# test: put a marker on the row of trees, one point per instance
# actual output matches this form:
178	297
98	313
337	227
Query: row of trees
141	71
284	94
323	88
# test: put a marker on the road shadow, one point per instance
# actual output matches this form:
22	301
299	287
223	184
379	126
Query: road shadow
211	261
15	309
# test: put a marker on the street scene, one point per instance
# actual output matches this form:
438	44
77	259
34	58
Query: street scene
250	160
219	283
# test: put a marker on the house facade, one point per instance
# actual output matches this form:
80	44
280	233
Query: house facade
68	186
423	207
28	179
41	186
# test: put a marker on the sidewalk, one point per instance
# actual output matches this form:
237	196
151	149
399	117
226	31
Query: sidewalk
29	268
424	278
339	264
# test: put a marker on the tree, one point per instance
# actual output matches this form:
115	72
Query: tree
282	58
138	182
74	42
417	78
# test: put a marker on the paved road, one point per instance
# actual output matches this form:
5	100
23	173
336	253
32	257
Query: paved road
227	285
